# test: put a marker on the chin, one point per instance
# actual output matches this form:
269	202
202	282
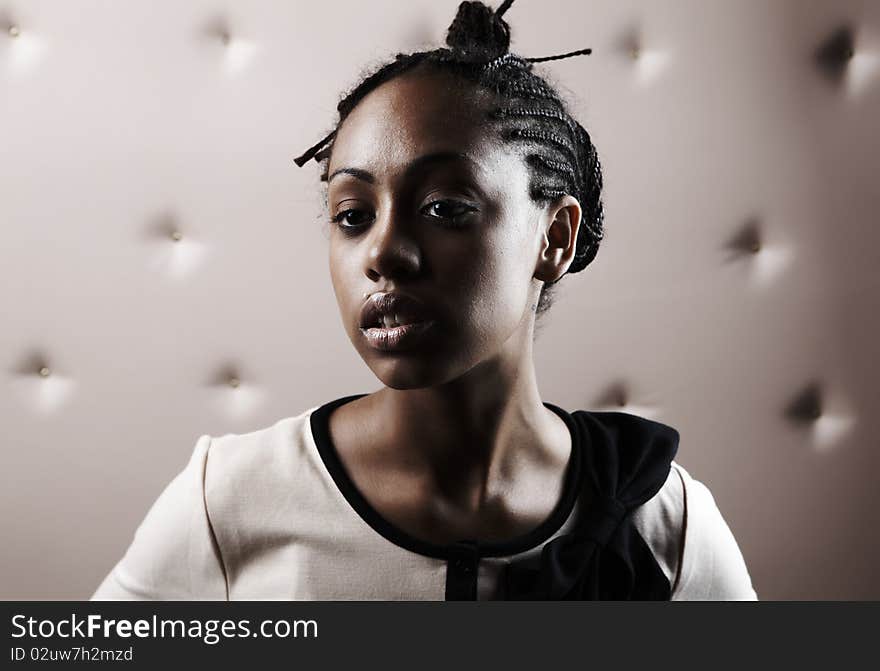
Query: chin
399	373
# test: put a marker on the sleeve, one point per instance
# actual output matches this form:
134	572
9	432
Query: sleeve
712	567
174	554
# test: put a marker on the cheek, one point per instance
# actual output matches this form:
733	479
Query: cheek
494	287
341	276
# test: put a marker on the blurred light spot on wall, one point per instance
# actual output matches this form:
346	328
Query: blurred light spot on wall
24	52
863	72
650	64
239	54
174	252
769	264
237	400
43	393
177	260
830	429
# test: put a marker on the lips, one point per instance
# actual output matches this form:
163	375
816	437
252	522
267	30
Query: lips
392	308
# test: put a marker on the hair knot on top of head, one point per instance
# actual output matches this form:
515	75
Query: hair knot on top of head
479	30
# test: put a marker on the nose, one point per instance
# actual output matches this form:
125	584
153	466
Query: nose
393	252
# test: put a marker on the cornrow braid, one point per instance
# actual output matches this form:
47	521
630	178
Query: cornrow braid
552	165
555	140
557	57
313	151
544	192
506	60
528	112
558	115
532	91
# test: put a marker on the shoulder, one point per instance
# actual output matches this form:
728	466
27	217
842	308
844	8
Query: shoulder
712	565
248	475
239	462
181	548
692	542
625	444
660	522
172	554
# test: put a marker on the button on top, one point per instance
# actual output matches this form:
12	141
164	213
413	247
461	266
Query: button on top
463	565
461	576
464	557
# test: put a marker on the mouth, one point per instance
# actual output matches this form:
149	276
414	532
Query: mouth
399	337
392	321
390	310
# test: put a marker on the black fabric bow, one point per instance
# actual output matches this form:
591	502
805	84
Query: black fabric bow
626	460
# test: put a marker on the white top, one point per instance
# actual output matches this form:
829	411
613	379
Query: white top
258	516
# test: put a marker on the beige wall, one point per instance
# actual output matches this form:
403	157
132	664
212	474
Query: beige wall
120	122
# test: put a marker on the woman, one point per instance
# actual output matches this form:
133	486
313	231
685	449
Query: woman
459	190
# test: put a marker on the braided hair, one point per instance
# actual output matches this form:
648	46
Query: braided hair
560	155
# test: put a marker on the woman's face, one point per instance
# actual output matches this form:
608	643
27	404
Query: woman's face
457	231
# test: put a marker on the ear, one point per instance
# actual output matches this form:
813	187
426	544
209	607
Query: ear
561	222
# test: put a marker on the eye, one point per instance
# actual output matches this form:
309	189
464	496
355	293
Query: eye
447	209
350	218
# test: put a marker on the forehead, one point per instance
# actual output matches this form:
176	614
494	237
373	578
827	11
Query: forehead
416	114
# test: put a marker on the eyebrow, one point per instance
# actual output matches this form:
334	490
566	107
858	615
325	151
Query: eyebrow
417	164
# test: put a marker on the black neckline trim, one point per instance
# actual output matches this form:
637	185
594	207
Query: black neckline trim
319	422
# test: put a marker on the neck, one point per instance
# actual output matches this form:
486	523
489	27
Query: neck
469	438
